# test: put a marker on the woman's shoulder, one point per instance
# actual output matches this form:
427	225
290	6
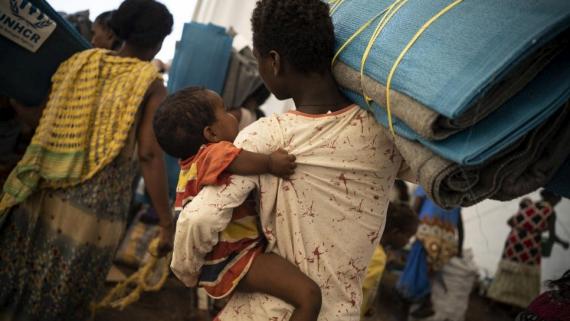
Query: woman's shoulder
543	207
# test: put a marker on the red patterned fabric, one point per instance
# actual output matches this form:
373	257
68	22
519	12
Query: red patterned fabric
549	306
241	241
205	168
523	244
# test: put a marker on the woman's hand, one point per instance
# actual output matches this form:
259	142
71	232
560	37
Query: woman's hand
166	240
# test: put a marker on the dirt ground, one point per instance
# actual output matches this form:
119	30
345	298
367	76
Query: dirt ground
390	308
175	302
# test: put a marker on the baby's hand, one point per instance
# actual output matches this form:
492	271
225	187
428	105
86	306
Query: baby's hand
281	164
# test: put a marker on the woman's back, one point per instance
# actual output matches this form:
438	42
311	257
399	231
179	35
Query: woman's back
329	216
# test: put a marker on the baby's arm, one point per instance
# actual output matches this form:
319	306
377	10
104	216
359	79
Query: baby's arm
278	163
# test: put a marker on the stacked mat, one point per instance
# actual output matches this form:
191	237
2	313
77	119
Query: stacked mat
34	40
201	58
478	90
242	78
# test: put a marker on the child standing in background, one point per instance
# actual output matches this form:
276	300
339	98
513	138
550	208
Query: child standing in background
401	225
439	238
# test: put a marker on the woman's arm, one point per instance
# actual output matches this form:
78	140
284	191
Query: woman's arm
153	166
418	203
461	235
552	236
28	115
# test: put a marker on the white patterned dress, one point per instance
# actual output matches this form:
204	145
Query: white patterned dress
326	219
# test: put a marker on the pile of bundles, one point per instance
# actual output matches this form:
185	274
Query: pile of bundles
474	93
34	41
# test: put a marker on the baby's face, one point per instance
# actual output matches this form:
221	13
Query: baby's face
226	125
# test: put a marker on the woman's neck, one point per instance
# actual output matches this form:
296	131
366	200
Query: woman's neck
317	94
130	51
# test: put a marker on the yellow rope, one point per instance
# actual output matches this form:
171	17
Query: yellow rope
354	35
335	4
403	53
386	14
119	298
392	10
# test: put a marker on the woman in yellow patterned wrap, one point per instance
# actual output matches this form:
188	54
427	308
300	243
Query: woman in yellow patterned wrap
63	208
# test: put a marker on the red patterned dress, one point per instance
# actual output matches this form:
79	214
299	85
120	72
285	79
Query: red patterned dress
240	242
517	280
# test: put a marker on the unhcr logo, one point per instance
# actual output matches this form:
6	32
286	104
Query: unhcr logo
24	24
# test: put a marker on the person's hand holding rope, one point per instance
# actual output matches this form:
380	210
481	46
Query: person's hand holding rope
166	239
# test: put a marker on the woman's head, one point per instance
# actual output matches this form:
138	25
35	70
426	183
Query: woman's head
142	24
291	36
401	225
103	35
550	197
562	284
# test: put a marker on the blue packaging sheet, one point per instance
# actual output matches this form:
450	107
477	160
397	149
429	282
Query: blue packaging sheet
460	56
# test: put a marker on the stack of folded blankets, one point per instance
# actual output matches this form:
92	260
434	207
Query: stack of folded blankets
479	93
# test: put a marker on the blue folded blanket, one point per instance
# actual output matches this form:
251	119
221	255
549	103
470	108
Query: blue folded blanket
461	56
201	58
26	75
523	112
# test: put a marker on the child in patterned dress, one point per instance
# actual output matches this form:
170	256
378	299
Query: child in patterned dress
193	125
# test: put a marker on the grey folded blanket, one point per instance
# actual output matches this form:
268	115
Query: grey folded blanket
242	78
525	166
431	125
